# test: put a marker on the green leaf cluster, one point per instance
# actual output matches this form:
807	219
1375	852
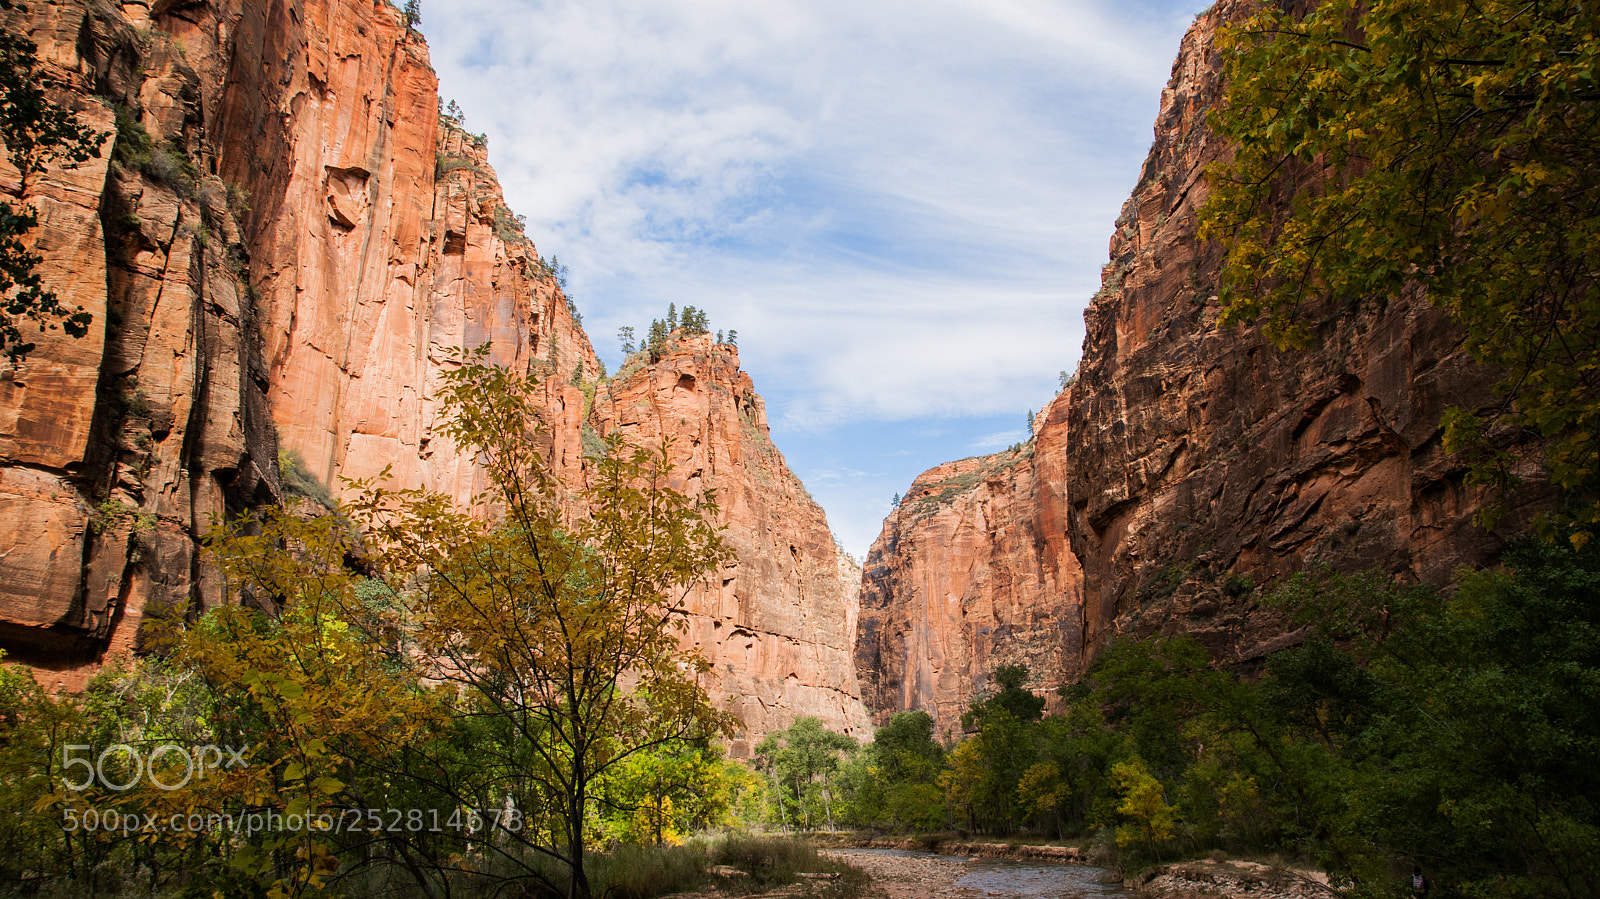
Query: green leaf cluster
36	131
1448	150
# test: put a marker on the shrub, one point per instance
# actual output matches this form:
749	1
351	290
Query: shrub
299	481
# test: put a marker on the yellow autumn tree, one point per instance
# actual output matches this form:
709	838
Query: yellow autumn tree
556	618
1148	818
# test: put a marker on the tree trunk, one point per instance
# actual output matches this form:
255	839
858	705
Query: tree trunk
827	801
777	792
578	885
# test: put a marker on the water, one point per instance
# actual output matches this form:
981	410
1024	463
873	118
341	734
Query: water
1037	880
1023	879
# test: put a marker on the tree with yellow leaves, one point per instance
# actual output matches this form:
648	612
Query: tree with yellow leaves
1440	148
1148	819
558	629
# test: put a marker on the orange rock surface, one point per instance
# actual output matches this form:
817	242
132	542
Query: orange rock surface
972	571
778	622
1188	466
281	274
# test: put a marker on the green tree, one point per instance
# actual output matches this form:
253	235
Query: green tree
1149	819
560	630
413	13
304	671
803	760
1011	696
694	321
35	131
670	792
1444	148
655	342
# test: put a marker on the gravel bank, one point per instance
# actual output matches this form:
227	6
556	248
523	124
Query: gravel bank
1234	880
900	877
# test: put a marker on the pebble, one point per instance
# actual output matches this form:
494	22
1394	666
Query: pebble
1235	880
909	877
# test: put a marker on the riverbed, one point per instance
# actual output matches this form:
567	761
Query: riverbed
903	874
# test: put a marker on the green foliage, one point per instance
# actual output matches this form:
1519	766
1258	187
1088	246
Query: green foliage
109	513
593	446
509	227
298	480
775	861
1010	697
693	321
986	771
1440	148
662	332
559	636
170	165
446	163
665	794
630	871
413	13
803	762
35	131
1149	819
502	676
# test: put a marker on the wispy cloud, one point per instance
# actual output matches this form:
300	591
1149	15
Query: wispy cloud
902	205
992	442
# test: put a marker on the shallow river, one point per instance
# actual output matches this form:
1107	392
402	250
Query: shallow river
923	875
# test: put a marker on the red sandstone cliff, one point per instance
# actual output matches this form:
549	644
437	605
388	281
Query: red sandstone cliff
272	263
1198	463
972	571
280	258
778	622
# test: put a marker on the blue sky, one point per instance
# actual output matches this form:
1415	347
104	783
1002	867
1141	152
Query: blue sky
902	207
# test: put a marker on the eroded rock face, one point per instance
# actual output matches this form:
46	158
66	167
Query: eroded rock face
972	571
268	254
1206	463
778	622
1195	464
117	449
280	273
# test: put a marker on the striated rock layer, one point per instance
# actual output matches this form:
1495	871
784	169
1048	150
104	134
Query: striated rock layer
281	254
972	571
275	251
777	622
1199	464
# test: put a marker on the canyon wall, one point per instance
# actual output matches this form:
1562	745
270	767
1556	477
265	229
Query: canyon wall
778	621
1199	463
972	571
281	253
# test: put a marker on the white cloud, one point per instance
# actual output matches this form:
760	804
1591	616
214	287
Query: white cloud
991	442
902	205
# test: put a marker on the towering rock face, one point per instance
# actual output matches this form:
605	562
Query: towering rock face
778	621
117	448
280	253
1201	463
972	571
285	249
1204	461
